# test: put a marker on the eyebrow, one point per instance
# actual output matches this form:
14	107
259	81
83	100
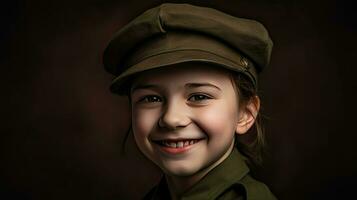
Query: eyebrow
144	86
188	85
196	85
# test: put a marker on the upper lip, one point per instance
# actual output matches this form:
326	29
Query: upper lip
173	139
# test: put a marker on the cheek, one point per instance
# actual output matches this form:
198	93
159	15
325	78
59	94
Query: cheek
143	121
219	119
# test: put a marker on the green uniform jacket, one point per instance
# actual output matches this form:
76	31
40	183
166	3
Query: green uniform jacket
229	180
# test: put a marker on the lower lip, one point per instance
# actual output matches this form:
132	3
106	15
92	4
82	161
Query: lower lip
178	150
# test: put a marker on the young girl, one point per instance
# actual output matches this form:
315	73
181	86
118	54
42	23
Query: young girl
191	76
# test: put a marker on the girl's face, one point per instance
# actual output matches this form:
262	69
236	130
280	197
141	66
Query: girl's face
184	117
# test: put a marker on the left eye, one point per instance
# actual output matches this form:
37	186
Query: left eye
150	99
199	97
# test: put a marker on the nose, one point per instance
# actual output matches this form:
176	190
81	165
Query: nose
175	115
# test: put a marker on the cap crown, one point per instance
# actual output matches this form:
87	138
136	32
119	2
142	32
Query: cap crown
248	37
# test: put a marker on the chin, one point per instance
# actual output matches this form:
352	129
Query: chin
180	170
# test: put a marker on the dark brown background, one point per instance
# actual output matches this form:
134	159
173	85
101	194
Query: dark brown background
61	129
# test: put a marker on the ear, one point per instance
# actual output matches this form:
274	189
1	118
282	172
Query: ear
247	115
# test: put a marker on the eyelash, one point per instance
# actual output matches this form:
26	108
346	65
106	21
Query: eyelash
205	97
146	99
155	98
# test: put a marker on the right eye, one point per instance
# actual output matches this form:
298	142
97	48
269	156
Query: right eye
150	99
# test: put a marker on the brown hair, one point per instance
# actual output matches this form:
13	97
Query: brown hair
252	144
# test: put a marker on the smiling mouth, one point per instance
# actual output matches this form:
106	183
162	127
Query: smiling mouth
177	143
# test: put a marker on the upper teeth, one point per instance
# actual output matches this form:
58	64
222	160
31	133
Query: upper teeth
178	144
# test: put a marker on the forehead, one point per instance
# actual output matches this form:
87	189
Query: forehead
184	72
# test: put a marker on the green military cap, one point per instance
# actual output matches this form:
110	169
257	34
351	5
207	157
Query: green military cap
177	33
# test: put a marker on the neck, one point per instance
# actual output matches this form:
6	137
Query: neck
178	185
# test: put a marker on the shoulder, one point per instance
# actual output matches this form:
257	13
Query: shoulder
254	190
247	189
150	194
